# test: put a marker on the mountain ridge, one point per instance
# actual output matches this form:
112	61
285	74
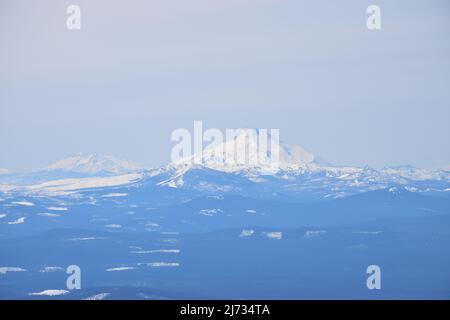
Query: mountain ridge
299	174
92	163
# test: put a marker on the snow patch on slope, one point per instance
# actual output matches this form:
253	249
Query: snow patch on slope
4	270
24	203
50	292
100	296
274	235
67	186
18	221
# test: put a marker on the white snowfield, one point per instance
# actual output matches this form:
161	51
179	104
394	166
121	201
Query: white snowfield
171	240
67	186
24	203
102	171
120	269
274	235
48	214
18	221
152	225
160	264
4	270
368	232
100	296
50	292
210	212
2	215
113	226
87	239
114	195
156	251
50	269
57	209
247	233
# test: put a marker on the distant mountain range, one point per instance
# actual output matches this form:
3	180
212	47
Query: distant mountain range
220	230
300	176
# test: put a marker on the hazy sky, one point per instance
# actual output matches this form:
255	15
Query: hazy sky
137	70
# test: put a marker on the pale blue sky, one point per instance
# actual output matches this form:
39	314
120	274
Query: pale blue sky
137	70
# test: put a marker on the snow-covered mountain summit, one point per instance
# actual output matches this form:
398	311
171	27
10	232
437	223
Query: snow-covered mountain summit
232	166
297	172
257	155
93	164
77	172
252	150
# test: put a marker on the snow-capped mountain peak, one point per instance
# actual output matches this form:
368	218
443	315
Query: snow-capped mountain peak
93	164
252	153
4	171
252	150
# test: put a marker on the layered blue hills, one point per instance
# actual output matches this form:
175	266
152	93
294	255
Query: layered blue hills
184	231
